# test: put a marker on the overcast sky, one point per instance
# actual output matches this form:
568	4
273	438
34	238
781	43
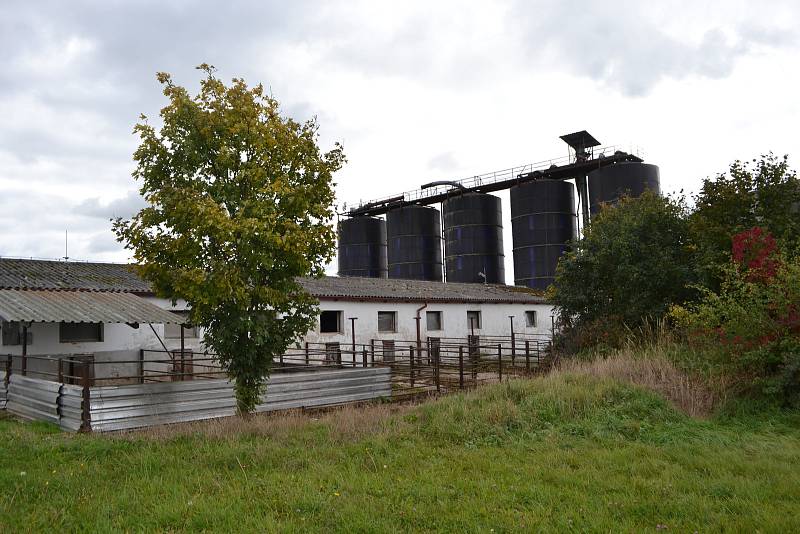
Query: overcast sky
414	90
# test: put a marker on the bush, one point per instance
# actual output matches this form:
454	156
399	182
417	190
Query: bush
750	329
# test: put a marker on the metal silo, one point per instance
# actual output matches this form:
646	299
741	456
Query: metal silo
473	239
414	243
543	221
362	247
608	184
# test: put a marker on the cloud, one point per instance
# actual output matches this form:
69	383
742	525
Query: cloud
445	162
124	207
416	90
103	242
626	48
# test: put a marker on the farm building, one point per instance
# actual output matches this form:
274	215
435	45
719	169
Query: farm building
88	345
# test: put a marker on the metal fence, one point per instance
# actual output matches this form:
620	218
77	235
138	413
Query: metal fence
162	387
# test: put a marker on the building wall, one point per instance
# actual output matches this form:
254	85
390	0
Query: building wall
494	320
121	342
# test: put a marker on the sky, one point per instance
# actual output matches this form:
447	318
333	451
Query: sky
415	91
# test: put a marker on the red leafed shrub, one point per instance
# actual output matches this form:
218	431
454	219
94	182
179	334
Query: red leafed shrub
755	250
750	329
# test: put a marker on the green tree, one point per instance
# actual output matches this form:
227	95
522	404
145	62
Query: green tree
762	193
240	204
635	260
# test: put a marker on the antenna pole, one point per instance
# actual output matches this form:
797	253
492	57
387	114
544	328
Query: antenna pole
66	245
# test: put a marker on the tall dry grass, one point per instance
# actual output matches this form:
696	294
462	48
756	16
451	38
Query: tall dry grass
651	366
343	423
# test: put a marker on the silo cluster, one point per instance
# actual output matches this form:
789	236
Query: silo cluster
410	241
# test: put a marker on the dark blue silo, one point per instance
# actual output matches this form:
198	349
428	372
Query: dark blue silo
414	243
543	222
473	239
608	184
362	247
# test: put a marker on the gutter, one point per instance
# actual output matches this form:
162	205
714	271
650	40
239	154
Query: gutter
418	318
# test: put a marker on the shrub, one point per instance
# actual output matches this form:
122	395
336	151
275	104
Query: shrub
750	329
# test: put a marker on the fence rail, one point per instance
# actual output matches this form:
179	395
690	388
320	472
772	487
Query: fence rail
79	393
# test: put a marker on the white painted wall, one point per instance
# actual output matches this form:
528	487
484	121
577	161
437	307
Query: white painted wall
494	320
122	342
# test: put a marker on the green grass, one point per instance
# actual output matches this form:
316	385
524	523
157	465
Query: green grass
559	453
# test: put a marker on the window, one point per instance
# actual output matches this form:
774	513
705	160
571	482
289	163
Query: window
77	332
12	333
434	320
330	322
473	319
530	318
387	321
173	331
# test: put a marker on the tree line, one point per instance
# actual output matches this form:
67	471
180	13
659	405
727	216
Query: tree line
720	269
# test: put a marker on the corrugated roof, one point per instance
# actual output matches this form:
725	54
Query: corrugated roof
49	306
46	274
103	277
415	290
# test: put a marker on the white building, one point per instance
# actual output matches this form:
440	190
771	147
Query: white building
51	309
386	309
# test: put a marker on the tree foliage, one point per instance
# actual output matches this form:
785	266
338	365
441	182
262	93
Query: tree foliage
750	327
239	205
761	193
635	260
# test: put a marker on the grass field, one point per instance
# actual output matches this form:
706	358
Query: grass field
567	452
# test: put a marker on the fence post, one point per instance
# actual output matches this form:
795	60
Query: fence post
24	350
500	362
436	357
364	356
9	361
474	355
461	367
141	366
513	350
86	414
372	351
306	353
411	365
527	356
60	370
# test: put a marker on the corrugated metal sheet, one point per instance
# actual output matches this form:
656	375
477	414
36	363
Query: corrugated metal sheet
43	306
3	390
33	398
44	274
124	407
